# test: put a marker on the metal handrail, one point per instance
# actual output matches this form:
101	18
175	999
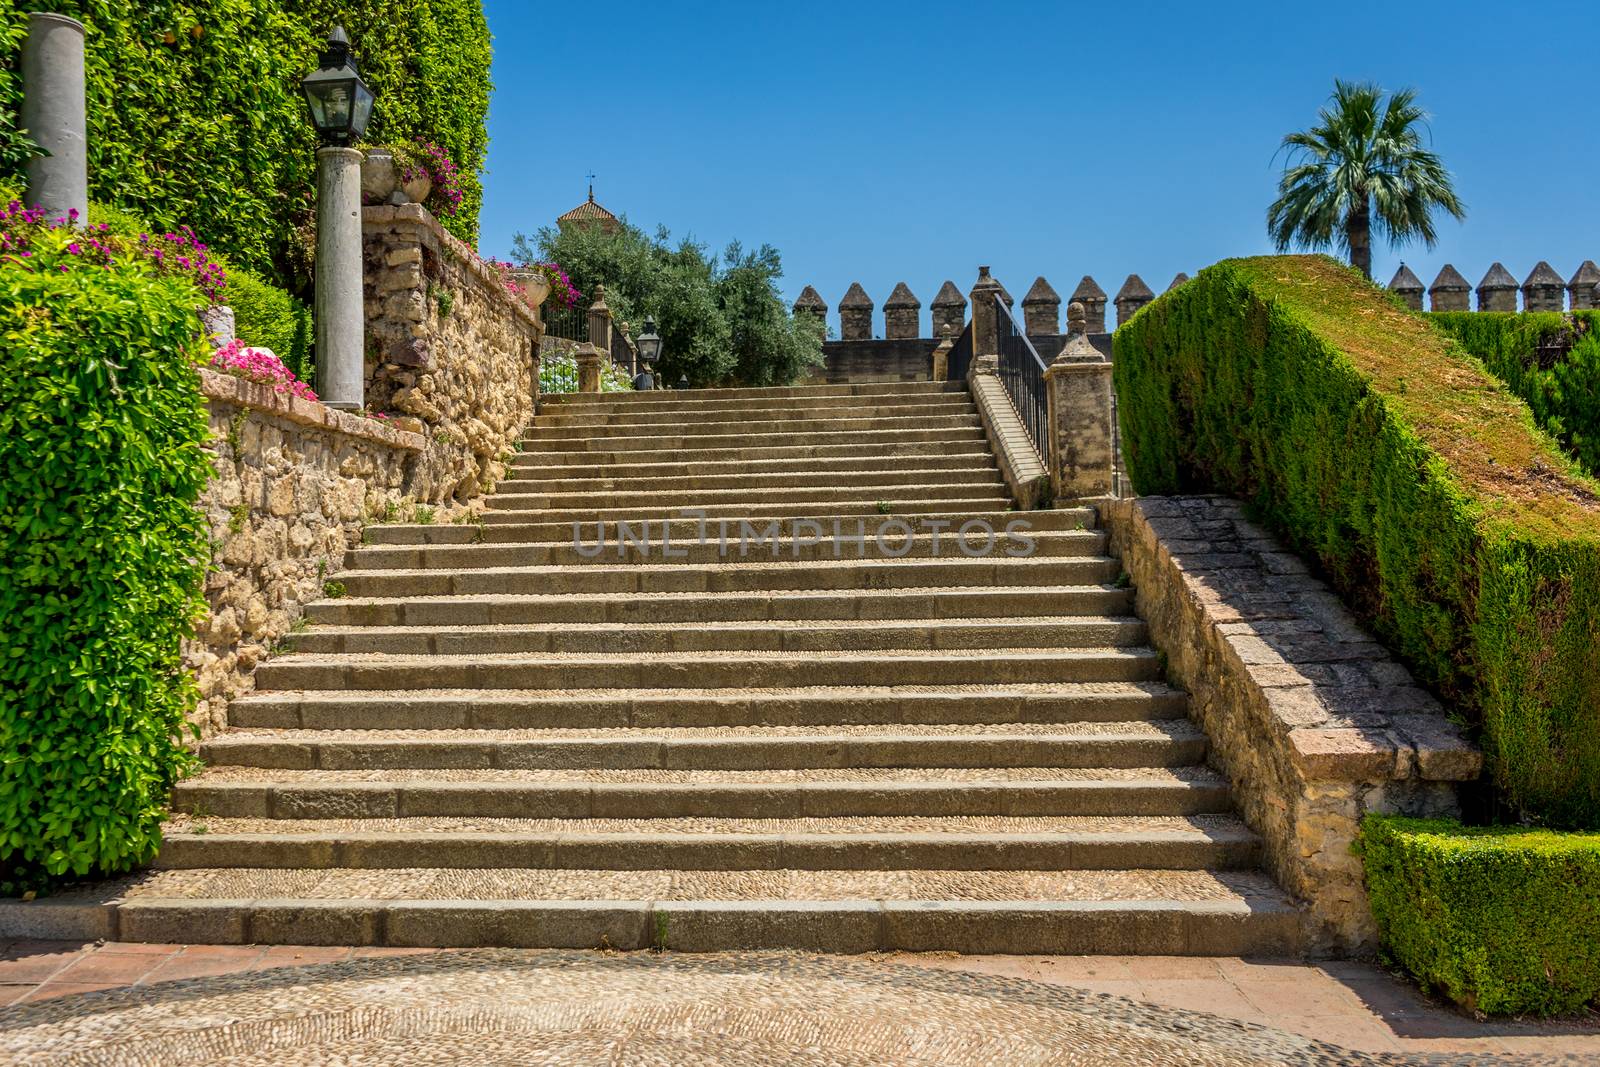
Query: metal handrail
959	362
1022	373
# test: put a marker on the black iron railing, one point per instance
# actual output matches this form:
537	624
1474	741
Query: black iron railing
568	323
960	359
622	352
1022	373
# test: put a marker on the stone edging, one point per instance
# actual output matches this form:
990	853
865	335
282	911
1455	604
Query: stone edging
1020	463
268	401
416	217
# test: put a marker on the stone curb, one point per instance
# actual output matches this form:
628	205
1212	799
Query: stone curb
266	400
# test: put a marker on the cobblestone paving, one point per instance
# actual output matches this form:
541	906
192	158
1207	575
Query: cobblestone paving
506	1007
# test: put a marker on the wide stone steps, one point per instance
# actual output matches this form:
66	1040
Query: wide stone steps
907	507
738	456
690	443
731	423
818	396
636	794
1155	743
881	706
819	496
954	842
938	407
1189	912
653	465
986	473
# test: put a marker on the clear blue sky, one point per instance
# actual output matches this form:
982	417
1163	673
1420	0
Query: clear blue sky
880	142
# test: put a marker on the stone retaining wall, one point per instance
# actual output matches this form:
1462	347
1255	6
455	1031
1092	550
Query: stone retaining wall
1312	721
294	483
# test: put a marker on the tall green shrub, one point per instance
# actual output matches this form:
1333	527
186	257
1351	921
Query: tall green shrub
195	113
1564	392
1416	480
102	557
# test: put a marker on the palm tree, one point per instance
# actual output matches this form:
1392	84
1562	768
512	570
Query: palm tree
1364	156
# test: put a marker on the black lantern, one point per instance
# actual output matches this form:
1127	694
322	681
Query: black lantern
649	343
341	103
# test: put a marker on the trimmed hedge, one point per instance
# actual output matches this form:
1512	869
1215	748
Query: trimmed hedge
268	317
196	117
1418	482
1565	395
102	557
1501	920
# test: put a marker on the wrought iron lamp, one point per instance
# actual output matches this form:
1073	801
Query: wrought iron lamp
649	349
341	103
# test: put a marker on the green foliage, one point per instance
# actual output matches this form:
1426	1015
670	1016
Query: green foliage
1563	395
196	117
1417	482
265	316
1500	920
102	556
16	148
721	321
558	373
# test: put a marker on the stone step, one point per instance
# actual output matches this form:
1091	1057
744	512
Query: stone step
976	502
614	482
820	496
653	464
1068	631
880	706
1124	912
684	445
680	528
787	605
720	425
740	456
792	411
642	541
818	395
575	794
1171	743
739	577
733	670
947	842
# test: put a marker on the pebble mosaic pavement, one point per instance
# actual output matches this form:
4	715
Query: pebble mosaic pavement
489	1007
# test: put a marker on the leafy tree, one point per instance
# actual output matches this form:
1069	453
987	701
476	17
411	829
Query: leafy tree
721	321
1364	157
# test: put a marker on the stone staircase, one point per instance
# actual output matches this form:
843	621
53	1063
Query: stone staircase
498	736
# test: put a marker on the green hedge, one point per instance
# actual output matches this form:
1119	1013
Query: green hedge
195	113
268	317
102	557
1417	481
1500	920
1565	395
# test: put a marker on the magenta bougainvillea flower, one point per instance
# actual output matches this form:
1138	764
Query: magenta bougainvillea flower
259	365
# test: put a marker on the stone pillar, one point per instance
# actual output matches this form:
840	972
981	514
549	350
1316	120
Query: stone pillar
1177	280
941	359
340	308
54	113
589	359
949	311
1041	309
1407	287
855	314
1498	290
985	324
1078	389
1581	288
1543	289
1449	291
590	356
1133	295
902	314
1093	298
810	302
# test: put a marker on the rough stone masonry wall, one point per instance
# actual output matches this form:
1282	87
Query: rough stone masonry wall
448	346
1312	721
293	483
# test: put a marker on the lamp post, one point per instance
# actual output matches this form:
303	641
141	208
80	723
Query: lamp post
649	346
54	113
341	106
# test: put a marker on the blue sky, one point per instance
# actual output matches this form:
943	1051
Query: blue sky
880	142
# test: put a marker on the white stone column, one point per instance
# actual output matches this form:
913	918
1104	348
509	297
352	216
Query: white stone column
54	114
341	344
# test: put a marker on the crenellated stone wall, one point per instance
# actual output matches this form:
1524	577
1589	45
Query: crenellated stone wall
1542	290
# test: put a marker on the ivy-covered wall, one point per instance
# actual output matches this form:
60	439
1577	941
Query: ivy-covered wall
195	113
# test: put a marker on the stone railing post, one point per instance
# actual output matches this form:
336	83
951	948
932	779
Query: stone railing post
1498	290
1581	288
1543	289
590	356
1133	295
985	324
949	311
1449	291
902	314
810	302
1041	309
855	314
1093	298
941	356
55	114
1408	287
1078	390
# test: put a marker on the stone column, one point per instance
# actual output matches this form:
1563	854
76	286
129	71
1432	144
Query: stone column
949	311
941	357
1449	291
1543	289
340	309
1133	295
985	324
902	314
55	115
590	356
1093	298
1078	388
1041	309
1581	287
855	314
1408	287
810	302
1498	290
